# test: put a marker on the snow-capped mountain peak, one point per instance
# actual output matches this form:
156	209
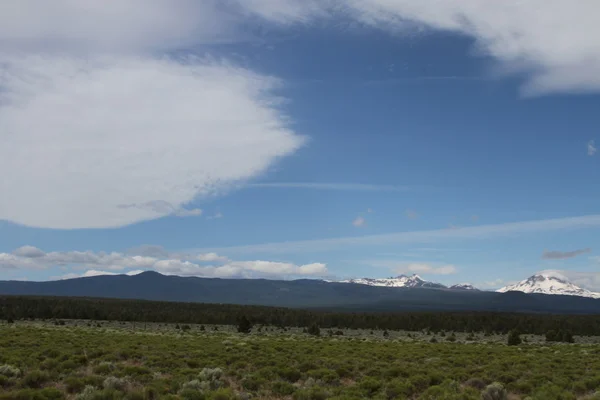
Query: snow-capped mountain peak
413	281
549	283
463	286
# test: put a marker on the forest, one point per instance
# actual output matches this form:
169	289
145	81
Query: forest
49	308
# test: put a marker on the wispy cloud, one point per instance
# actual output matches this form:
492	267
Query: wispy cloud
216	215
412	214
412	267
331	186
493	284
591	148
563	255
585	279
359	222
473	232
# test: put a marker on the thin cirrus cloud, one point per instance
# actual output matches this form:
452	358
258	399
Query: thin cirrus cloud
431	236
361	187
422	268
425	268
211	265
359	222
563	255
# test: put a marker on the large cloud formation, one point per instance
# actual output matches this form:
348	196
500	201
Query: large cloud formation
102	126
111	142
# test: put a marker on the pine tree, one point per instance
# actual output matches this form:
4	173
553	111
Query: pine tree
314	329
513	338
244	325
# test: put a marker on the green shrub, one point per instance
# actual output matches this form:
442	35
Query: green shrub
87	393
283	388
51	393
105	367
191	394
74	384
398	389
370	385
495	391
223	394
35	379
552	392
135	395
9	371
324	374
476	383
253	383
289	374
114	383
33	394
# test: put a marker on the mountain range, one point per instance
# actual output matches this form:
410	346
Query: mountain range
544	283
306	293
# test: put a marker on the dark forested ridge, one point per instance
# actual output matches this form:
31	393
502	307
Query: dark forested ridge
29	307
303	293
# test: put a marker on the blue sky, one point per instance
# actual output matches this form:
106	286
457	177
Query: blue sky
288	139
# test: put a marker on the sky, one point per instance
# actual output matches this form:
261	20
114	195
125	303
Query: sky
286	139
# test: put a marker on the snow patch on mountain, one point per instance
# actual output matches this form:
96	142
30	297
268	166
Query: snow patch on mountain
405	281
463	286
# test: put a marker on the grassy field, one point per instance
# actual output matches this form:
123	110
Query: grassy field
102	360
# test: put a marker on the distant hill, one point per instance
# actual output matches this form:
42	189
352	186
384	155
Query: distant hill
302	293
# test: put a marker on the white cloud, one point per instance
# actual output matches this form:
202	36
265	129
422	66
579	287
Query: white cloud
591	148
99	129
555	42
29	251
472	232
359	222
111	25
211	257
142	137
210	265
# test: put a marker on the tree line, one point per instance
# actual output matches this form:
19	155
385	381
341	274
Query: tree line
37	307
